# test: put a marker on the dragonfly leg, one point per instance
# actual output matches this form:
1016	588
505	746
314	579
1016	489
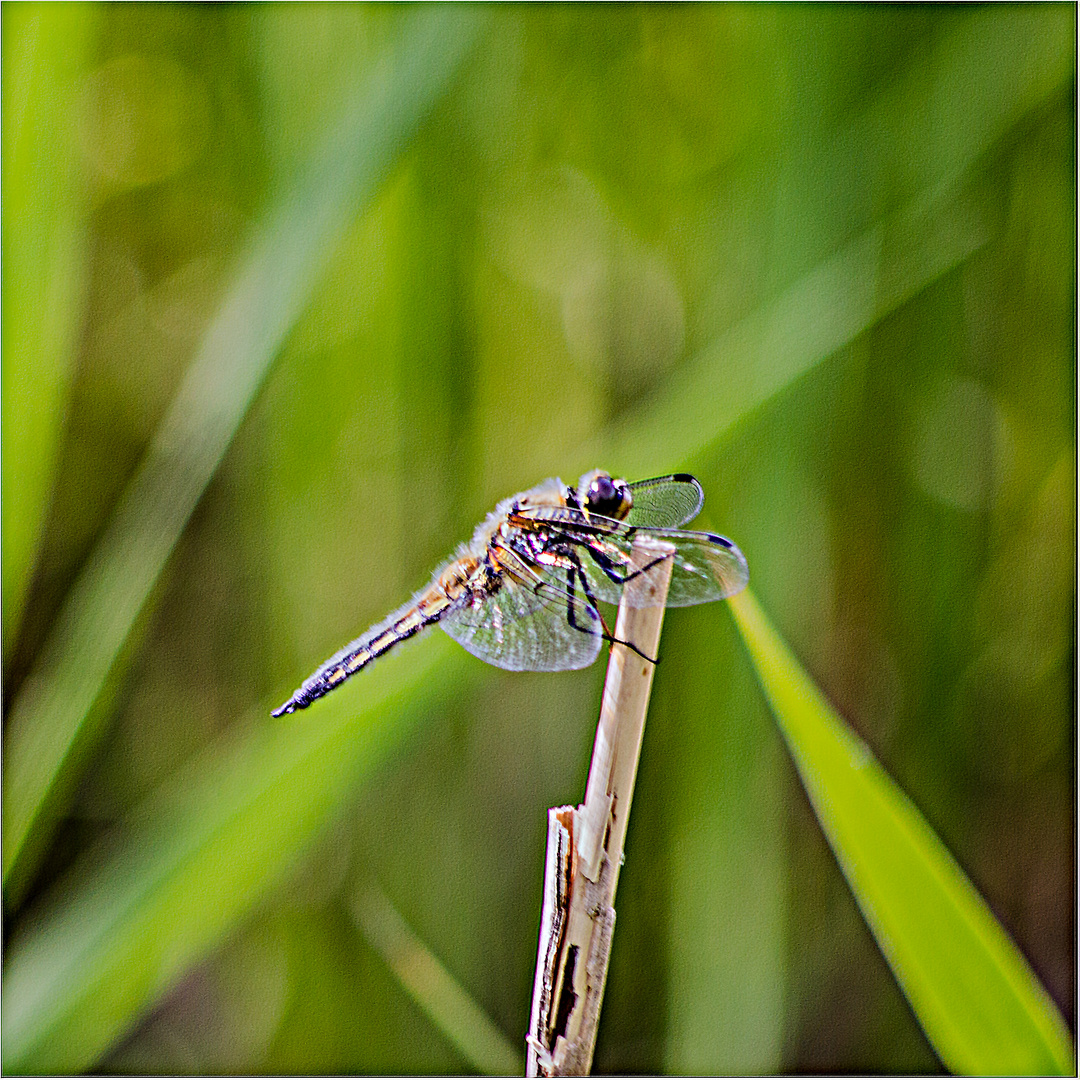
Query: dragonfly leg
573	575
563	555
607	565
575	571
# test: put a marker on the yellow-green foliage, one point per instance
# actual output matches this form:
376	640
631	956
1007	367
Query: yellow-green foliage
293	294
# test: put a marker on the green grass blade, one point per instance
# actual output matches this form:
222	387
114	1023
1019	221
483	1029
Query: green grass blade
198	857
824	310
876	266
44	265
53	720
435	990
974	994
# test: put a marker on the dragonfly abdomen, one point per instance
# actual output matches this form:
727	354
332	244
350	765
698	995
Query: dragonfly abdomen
423	610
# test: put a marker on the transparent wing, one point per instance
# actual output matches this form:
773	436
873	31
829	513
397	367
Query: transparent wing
665	502
538	625
706	566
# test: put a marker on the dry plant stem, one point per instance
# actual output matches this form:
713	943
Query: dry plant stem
585	844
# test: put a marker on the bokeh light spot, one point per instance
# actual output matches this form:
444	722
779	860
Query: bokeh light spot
141	119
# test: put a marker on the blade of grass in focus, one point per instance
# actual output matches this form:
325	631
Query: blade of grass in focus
201	853
53	720
974	994
44	262
435	990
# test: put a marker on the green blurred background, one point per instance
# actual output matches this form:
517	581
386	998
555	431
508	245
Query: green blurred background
823	257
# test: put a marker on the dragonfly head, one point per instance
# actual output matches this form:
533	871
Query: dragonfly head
604	496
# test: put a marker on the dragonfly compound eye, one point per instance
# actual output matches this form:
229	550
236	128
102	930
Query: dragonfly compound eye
607	497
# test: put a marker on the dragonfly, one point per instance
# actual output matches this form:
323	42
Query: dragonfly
523	594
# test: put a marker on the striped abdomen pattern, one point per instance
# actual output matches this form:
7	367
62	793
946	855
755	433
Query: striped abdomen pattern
423	610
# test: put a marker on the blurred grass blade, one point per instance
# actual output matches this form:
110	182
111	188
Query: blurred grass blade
44	263
52	721
1002	62
974	994
1005	61
827	308
224	829
435	990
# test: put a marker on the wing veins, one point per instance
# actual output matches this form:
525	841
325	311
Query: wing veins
525	625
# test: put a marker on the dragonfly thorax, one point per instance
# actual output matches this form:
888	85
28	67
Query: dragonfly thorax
455	577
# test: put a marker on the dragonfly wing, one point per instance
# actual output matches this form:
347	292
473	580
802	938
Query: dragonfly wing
705	566
665	502
537	625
